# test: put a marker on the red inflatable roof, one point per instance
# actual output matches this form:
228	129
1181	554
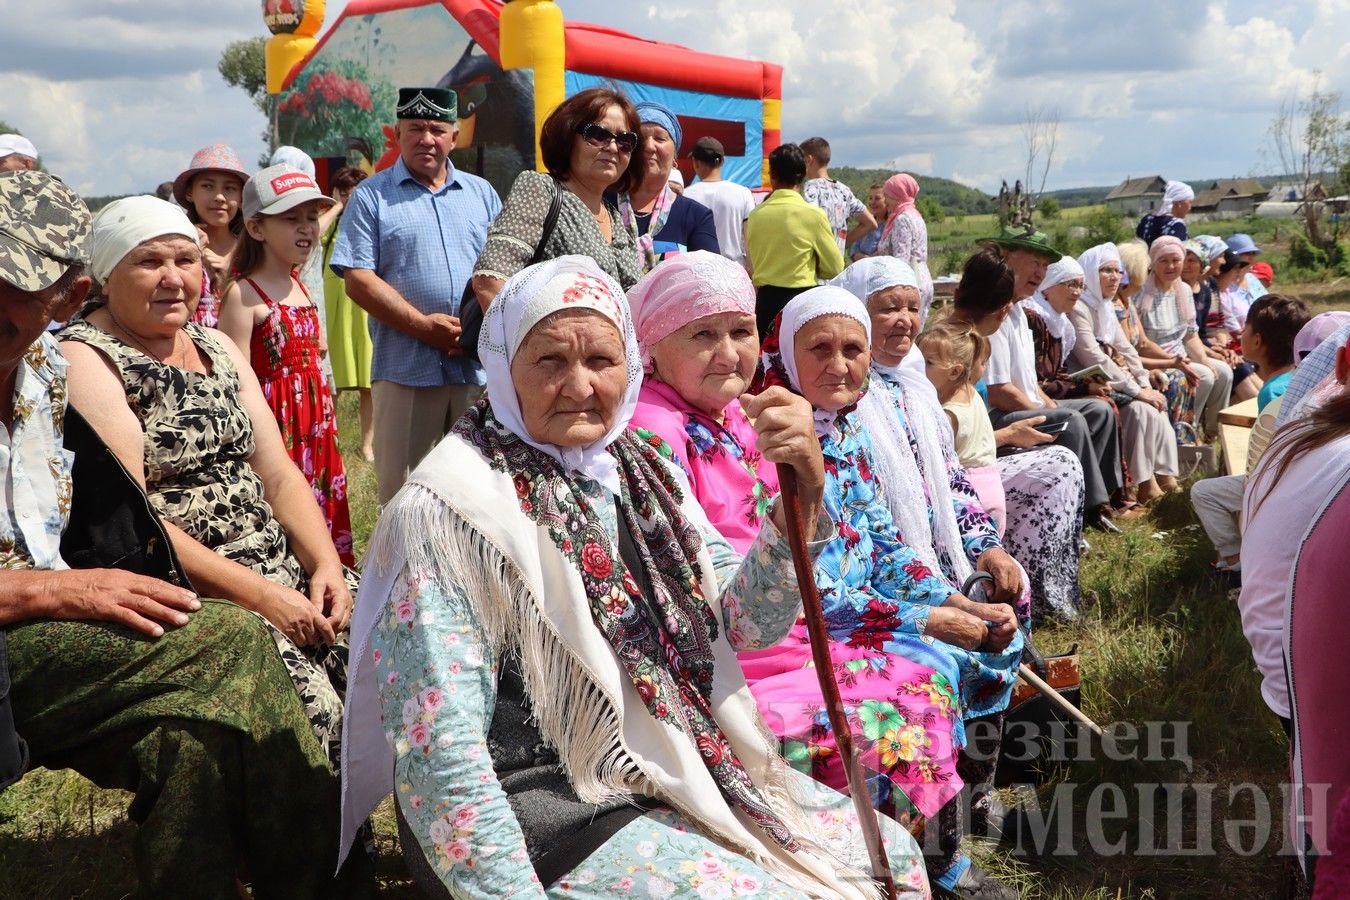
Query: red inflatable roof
598	50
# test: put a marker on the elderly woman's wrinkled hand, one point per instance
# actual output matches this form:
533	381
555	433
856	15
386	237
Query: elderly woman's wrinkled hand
956	627
998	618
786	433
295	616
1002	624
1007	573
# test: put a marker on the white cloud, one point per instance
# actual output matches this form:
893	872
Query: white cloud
122	91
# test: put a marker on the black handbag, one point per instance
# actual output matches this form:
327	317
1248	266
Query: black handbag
471	311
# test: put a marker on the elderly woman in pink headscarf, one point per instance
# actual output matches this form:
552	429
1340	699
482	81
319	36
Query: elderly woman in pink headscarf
695	321
905	234
694	318
1167	313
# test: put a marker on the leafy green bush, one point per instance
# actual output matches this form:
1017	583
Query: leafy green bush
1303	254
1048	208
1106	227
953	261
930	209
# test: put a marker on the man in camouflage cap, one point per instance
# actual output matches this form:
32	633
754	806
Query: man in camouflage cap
115	668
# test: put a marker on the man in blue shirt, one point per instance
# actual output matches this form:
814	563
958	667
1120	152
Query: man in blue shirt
406	249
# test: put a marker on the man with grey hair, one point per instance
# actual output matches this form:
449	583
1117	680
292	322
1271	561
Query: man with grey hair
114	667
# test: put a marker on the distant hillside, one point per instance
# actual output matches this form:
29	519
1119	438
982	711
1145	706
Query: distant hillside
1084	196
953	196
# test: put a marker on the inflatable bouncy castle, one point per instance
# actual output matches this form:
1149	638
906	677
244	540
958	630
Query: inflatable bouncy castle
511	64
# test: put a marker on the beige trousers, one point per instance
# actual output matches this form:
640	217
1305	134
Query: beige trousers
1150	444
409	422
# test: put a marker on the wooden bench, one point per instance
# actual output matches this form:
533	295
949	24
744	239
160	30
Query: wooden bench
1235	433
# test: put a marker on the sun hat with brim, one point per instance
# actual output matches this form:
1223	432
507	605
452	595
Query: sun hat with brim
216	158
276	189
1028	238
1242	243
44	230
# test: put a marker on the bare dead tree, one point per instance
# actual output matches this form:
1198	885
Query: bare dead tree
1309	139
1040	133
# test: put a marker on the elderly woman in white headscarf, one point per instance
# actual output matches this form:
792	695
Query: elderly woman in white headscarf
1170	214
878	590
546	673
932	502
183	412
1053	340
1148	439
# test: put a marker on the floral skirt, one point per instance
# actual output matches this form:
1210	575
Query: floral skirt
1041	486
662	854
905	720
1180	405
304	410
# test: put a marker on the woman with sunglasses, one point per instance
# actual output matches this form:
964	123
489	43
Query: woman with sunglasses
588	145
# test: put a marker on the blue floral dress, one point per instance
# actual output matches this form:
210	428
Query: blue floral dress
439	684
978	532
877	595
869	566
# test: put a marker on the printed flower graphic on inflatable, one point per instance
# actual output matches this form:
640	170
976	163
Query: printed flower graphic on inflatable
326	107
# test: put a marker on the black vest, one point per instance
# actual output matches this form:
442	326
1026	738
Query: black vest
112	526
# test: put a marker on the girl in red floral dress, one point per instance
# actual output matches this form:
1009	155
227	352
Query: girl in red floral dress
267	312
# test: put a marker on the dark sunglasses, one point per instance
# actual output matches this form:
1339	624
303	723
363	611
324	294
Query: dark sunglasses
598	136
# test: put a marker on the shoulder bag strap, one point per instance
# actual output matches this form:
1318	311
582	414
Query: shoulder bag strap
550	223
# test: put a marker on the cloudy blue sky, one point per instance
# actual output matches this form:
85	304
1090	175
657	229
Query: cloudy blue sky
118	93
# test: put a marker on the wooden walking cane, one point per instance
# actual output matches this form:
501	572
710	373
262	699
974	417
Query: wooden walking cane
820	654
1029	675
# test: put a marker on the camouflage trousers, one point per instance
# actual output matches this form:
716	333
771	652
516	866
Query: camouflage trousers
206	730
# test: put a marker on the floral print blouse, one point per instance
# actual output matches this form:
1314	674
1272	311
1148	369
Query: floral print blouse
438	686
866	574
518	228
732	483
34	465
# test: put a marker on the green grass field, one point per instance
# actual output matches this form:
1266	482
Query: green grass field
1160	641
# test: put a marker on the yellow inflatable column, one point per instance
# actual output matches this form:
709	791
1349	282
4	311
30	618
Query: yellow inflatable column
293	24
532	38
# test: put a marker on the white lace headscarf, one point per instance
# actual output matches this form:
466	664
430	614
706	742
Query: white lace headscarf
1105	326
902	402
530	296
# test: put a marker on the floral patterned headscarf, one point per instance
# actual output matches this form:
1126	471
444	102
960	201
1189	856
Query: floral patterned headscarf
684	289
529	297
